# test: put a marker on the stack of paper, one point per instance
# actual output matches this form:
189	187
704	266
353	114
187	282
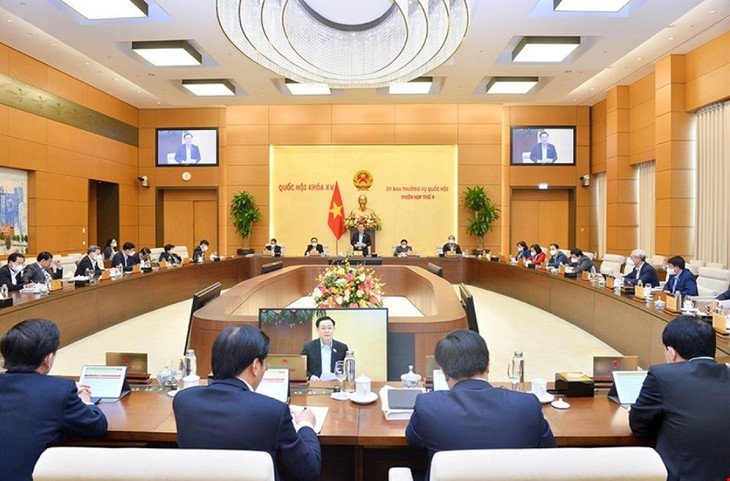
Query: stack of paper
320	414
393	414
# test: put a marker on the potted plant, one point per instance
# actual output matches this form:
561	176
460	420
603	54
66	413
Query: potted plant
244	213
486	213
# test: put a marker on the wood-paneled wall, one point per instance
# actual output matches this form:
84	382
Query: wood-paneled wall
63	159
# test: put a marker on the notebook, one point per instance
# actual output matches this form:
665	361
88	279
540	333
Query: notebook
626	387
107	383
603	366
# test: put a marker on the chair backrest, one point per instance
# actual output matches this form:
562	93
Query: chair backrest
612	263
693	268
697	262
182	251
132	464
716	265
564	464
712	282
589	255
658	260
155	252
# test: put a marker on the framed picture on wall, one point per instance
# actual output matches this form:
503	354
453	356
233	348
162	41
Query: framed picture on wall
187	146
542	145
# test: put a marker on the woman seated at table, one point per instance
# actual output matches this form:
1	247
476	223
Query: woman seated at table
168	255
537	256
580	261
522	251
314	245
556	256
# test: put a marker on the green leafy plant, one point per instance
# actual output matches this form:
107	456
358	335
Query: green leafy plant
244	213
486	213
289	317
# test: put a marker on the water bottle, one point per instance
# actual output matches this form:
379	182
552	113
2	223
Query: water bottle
678	299
191	363
4	291
516	371
350	371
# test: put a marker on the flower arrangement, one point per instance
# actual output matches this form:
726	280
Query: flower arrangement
348	286
288	317
370	221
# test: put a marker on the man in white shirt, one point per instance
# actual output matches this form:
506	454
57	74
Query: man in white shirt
323	352
544	152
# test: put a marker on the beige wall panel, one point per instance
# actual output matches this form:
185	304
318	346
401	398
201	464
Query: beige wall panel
146	237
669	69
426	114
146	215
300	134
708	57
201	176
205	117
675	126
147	118
641	157
552	220
147	138
146	160
23	125
480	154
626	215
582	156
178	223
626	191
583	116
536	195
531	176
26	155
259	192
147	197
617	145
711	87
617	97
247	155
66	212
426	134
480	134
300	114
669	98
247	135
190	195
28	70
480	114
106	104
642	115
249	175
583	215
4	53
363	134
206	223
583	136
538	115
68	87
66	163
363	114
641	90
626	240
598	159
478	175
617	121
677	155
65	187
247	115
4	119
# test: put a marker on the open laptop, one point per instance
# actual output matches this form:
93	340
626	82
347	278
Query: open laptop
107	383
603	366
626	387
296	364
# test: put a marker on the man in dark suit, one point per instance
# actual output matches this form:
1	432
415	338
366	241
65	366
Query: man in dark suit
168	255
44	269
125	257
142	257
323	352
557	256
544	152
273	248
472	414
452	246
683	404
679	279
11	274
229	414
361	241
37	409
715	303
90	262
187	152
199	251
643	271
314	245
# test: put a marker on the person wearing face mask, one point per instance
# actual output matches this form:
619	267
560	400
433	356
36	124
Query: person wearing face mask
199	251
556	256
315	246
90	261
273	248
110	249
452	246
580	261
679	279
537	256
522	250
403	249
682	404
12	274
125	257
642	270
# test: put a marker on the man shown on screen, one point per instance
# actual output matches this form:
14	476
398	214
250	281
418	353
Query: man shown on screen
188	153
544	152
323	352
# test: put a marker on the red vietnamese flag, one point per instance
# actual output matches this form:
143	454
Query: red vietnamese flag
336	217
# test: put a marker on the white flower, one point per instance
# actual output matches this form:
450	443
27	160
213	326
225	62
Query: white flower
338	300
316	292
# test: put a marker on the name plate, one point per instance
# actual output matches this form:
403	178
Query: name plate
163	264
639	292
105	275
450	253
671	304
135	269
609	282
719	323
411	254
56	285
585	276
561	269
356	253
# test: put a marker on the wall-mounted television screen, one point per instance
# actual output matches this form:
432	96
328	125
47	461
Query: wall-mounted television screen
544	145
189	147
365	331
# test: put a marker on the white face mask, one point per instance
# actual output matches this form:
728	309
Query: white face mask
672	272
573	259
533	253
519	248
314	244
17	268
451	241
553	252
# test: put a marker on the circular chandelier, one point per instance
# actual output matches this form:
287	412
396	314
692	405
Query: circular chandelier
346	43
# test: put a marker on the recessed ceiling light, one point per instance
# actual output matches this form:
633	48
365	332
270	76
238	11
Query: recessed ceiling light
712	12
589	5
297	88
544	49
168	53
107	9
210	87
670	38
418	86
511	85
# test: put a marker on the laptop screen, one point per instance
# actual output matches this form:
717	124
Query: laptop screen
628	385
104	381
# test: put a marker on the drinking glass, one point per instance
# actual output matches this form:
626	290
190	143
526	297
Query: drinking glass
177	366
340	376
